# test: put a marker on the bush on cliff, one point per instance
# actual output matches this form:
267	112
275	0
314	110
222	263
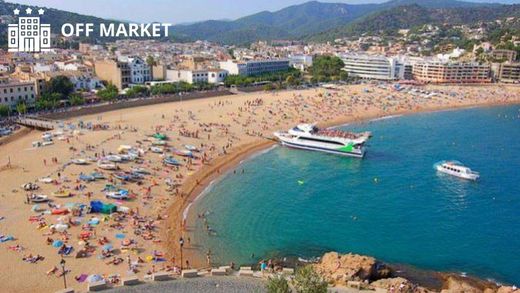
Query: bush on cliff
307	280
277	284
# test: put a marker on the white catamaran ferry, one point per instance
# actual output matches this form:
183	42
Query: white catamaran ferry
457	169
309	137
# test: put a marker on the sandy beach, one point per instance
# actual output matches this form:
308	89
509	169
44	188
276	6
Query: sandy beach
224	129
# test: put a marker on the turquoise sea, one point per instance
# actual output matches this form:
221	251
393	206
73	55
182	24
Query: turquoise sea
391	205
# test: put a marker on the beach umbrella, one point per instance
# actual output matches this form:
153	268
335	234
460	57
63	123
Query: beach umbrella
107	247
57	243
81	243
120	236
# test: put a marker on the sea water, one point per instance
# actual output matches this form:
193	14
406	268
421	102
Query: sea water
391	205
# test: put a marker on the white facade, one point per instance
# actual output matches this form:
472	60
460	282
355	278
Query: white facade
233	67
255	67
140	72
195	76
300	62
39	67
372	67
85	82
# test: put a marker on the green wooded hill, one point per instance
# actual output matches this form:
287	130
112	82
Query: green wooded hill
313	21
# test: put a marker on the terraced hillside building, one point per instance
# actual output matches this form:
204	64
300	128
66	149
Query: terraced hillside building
448	72
372	66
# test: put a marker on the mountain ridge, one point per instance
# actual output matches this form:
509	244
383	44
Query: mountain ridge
301	20
315	21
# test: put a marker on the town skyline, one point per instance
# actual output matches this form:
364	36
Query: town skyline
182	12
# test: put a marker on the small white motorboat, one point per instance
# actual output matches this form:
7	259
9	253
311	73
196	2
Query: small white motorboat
192	148
46	180
140	170
79	162
39	198
47	136
120	194
113	158
30	186
106	165
157	150
457	169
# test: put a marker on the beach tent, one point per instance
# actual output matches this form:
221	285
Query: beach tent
108	209
159	136
96	206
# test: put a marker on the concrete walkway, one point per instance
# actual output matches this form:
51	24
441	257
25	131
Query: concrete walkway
205	284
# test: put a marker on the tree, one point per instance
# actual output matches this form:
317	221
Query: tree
21	108
48	101
76	100
268	87
150	61
325	67
308	281
343	75
4	110
163	88
277	284
109	93
60	84
137	90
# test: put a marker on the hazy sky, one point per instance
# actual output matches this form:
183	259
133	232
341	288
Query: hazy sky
179	11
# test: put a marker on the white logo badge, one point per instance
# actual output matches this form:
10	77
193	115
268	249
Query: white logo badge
29	35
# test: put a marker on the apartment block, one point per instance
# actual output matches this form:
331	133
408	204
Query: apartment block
124	71
13	92
439	72
255	67
213	76
508	72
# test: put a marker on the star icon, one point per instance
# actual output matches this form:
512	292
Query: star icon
16	11
28	10
41	11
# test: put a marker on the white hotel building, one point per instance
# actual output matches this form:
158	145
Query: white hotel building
255	67
140	72
373	67
214	76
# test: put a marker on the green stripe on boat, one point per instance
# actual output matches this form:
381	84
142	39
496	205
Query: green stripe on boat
347	149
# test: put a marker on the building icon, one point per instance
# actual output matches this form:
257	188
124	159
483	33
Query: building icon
29	35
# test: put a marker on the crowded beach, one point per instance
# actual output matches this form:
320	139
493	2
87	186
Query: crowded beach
104	194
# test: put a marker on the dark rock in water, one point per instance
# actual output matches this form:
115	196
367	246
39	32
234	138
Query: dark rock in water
430	279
